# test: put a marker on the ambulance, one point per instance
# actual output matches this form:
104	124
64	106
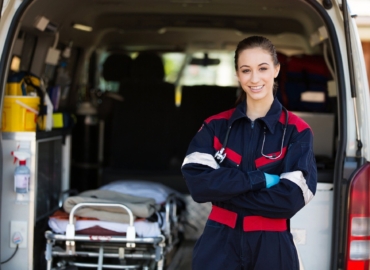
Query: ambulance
98	92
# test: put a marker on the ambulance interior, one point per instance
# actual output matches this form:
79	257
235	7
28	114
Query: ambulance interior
135	80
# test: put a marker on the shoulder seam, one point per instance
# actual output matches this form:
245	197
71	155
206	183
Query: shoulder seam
223	115
298	122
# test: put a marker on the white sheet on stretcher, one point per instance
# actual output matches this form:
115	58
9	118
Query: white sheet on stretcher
143	228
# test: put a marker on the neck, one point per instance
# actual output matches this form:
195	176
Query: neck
258	108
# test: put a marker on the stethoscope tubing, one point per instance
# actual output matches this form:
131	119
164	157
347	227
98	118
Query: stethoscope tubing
220	154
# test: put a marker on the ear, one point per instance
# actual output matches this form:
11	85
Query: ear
277	70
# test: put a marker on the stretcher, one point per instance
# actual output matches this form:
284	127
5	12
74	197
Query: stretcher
131	248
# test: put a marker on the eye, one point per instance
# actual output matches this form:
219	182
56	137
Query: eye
245	70
263	68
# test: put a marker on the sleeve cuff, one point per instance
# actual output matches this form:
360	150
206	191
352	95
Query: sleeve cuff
257	179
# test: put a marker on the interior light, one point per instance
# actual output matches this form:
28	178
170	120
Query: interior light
15	64
82	27
162	30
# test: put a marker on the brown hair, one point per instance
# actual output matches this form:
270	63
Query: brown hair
250	43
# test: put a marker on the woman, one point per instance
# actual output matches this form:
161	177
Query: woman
255	163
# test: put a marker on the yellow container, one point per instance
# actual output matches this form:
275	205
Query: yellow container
15	86
14	89
20	113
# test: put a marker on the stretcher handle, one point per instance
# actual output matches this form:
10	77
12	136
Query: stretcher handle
129	212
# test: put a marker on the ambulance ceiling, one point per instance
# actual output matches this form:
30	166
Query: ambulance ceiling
170	23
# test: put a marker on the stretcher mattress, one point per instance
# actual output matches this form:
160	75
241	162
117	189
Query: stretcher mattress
142	188
58	223
141	207
142	197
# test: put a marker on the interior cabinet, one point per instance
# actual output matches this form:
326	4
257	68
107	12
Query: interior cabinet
29	213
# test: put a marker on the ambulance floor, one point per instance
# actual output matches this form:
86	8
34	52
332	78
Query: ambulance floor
182	258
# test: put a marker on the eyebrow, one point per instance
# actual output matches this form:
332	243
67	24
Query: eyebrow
258	65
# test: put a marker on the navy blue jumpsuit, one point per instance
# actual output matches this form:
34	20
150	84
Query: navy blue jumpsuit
241	232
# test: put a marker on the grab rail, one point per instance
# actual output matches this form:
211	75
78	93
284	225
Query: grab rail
70	230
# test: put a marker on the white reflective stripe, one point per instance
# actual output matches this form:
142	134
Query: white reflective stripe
297	178
201	158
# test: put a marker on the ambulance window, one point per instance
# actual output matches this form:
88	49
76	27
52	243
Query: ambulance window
221	73
172	65
213	68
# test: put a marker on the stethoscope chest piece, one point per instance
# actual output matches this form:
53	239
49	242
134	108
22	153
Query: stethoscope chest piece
220	155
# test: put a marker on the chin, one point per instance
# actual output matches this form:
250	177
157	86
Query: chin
257	96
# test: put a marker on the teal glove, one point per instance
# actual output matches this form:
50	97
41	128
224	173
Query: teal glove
271	179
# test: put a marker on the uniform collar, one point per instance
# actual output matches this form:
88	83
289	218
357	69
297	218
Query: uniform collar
270	120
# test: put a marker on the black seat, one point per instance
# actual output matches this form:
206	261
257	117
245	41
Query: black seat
116	68
143	123
198	103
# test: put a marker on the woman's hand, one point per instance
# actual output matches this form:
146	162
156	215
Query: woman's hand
271	179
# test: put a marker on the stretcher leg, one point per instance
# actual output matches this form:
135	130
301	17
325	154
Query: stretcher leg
48	254
100	260
160	265
159	256
143	252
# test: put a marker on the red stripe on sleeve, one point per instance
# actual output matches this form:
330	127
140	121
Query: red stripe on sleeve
216	143
230	154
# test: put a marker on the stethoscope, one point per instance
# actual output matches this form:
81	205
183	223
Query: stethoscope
221	154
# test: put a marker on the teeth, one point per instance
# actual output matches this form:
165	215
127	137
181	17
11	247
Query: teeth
256	87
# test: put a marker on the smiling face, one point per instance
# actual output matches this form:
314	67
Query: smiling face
256	72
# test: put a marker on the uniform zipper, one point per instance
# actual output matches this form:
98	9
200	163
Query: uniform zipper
250	152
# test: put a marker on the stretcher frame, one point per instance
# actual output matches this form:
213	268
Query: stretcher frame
152	250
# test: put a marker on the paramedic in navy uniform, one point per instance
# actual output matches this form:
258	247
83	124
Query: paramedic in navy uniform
255	163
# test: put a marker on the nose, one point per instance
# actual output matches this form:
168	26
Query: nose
255	77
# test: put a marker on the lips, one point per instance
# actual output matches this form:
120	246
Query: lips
256	88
